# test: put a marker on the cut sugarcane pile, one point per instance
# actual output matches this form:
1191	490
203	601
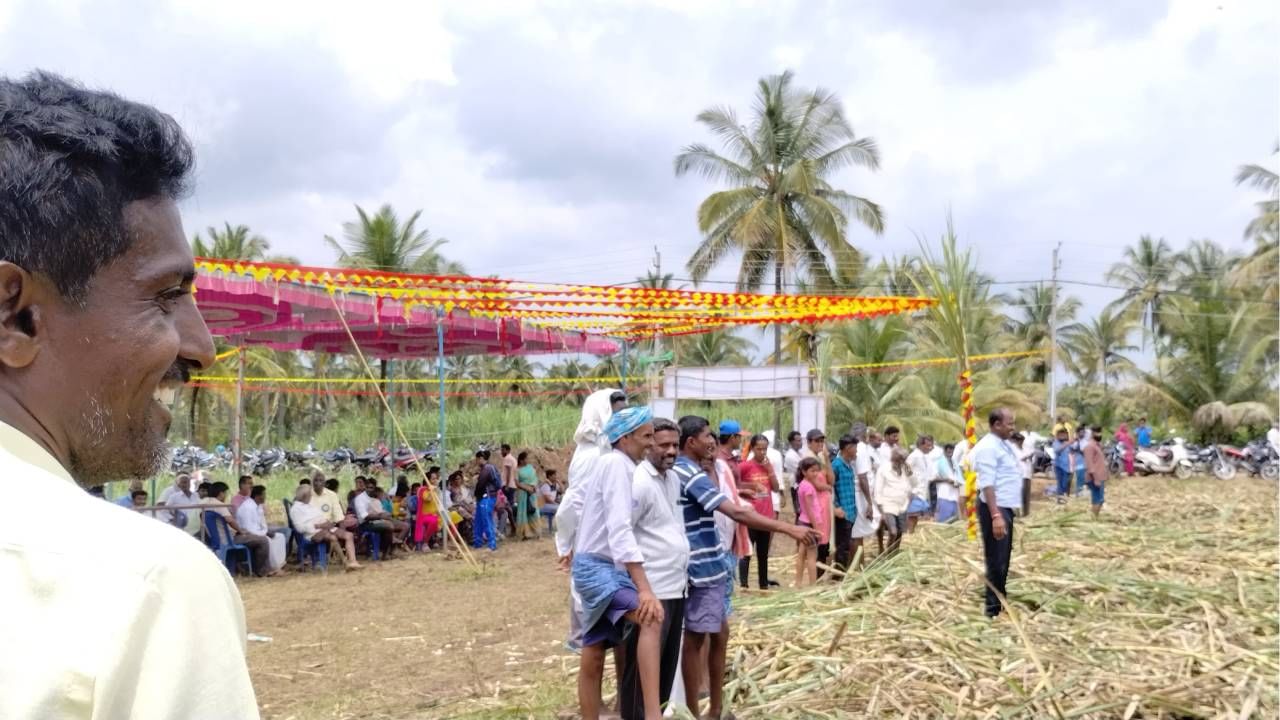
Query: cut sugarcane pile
1164	608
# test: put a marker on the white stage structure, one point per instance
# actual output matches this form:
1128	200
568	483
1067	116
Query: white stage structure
809	409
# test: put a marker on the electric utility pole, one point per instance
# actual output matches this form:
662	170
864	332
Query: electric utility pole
1053	339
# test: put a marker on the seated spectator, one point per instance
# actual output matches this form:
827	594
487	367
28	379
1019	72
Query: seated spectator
126	500
258	545
253	524
400	504
246	486
187	518
312	524
427	523
138	499
348	520
371	516
351	496
547	496
384	500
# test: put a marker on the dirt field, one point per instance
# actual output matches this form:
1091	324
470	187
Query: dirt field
402	638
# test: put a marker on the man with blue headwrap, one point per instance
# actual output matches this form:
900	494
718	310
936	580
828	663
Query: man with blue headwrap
608	567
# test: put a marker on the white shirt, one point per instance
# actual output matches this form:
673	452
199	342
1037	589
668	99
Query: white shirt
604	527
103	629
997	466
892	491
569	513
885	451
922	473
362	503
1273	437
193	515
251	518
659	528
306	517
948	489
790	463
1024	458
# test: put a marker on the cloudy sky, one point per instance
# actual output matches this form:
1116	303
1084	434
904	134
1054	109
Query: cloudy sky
539	137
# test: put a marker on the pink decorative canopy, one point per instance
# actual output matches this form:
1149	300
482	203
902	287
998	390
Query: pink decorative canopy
287	315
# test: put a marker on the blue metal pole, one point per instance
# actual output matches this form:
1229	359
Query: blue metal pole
624	366
440	454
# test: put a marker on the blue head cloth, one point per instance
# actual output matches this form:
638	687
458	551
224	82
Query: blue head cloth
625	421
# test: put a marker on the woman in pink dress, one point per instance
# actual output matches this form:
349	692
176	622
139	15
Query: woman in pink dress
1126	441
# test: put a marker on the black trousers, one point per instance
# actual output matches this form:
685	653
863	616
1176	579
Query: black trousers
996	553
824	554
761	539
630	695
844	543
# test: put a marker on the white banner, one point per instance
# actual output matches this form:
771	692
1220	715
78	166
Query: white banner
736	383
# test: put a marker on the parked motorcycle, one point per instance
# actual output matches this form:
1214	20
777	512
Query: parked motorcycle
1042	458
1257	458
339	458
373	459
1170	458
1115	458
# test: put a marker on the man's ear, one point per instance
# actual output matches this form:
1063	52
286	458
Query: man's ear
20	318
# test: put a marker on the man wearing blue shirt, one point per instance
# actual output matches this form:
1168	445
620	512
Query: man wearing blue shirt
1144	434
846	510
710	567
1062	468
999	493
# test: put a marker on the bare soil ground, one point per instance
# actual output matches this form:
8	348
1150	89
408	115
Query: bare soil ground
403	638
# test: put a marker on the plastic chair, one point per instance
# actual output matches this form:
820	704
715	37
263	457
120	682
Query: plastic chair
318	552
374	538
219	541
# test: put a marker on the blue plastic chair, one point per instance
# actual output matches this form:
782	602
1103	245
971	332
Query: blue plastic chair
318	552
218	537
374	538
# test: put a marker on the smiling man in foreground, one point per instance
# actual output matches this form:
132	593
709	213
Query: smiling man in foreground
110	613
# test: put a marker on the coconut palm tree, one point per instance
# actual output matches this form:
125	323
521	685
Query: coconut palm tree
716	347
1147	275
1030	313
653	281
1095	349
780	210
1266	225
382	242
232	242
1222	350
881	397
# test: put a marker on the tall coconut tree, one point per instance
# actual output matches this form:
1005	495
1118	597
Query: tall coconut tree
1147	276
780	211
1030	315
381	241
1266	224
1095	349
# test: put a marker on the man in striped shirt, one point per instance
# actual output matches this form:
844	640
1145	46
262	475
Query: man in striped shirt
710	567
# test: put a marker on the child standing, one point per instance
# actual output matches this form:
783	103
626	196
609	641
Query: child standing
814	496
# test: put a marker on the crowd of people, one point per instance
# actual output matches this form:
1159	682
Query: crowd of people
512	502
661	517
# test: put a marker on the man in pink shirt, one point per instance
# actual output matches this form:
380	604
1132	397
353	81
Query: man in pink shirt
246	487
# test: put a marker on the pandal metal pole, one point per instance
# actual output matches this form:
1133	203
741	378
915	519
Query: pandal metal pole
440	453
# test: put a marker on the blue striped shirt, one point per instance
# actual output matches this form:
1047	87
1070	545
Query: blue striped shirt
699	498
